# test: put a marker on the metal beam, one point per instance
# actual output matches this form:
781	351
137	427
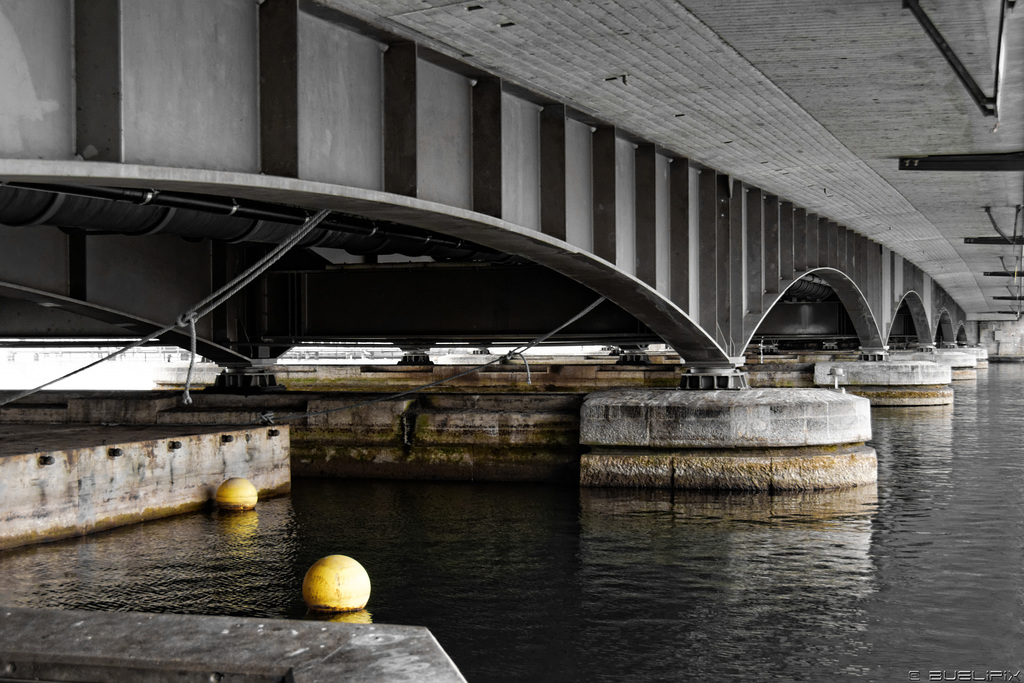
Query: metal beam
985	103
1004	161
482	304
1019	239
1003	273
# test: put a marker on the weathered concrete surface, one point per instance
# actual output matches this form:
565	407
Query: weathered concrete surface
753	440
963	366
906	396
108	646
498	437
58	481
770	373
464	434
891	382
909	372
980	354
723	419
544	375
766	469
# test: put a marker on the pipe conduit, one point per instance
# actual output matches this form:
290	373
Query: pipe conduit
123	211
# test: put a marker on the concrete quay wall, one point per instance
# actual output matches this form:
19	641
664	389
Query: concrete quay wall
113	476
497	436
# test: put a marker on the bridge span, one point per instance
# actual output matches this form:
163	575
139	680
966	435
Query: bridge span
152	152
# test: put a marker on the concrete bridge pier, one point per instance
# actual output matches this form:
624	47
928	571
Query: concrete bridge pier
963	366
720	439
889	381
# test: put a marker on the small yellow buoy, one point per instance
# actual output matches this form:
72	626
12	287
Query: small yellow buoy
237	494
336	583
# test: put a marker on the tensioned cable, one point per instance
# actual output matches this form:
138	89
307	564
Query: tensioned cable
269	418
188	318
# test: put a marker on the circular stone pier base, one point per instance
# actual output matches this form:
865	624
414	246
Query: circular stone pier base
963	366
752	440
890	382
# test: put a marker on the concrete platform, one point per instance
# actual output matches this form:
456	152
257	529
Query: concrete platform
58	481
754	440
101	647
902	382
980	354
964	366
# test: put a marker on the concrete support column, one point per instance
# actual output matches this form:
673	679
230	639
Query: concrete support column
707	250
487	147
757	256
773	247
604	167
679	233
714	253
786	243
279	87
757	439
843	259
823	242
646	178
812	241
832	231
98	82
799	242
400	114
735	287
553	171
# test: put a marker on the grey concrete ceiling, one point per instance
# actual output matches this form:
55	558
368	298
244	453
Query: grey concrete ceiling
811	100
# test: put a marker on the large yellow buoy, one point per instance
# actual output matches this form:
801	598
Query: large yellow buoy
336	583
237	494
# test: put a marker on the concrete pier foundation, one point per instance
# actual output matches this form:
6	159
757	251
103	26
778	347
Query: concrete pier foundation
890	382
963	366
755	439
980	354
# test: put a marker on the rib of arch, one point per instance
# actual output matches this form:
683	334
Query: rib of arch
919	316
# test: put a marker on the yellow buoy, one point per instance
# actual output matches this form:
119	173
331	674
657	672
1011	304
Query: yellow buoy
336	583
237	494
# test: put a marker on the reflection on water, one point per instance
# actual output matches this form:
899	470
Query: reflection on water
922	572
212	562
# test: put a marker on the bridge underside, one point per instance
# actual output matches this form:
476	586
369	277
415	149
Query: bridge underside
467	207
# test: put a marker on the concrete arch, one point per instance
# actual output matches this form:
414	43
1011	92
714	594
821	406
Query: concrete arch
644	302
919	316
853	300
944	330
961	334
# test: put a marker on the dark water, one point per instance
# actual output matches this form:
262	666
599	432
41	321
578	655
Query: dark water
528	582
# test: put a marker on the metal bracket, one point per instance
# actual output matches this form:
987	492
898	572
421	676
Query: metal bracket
730	379
245	381
988	105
